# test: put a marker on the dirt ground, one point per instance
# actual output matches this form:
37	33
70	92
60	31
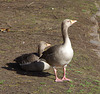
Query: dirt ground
31	21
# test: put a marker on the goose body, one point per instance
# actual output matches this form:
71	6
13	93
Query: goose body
57	54
35	66
29	62
60	55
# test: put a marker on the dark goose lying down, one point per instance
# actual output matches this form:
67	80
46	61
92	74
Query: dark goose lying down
29	62
60	55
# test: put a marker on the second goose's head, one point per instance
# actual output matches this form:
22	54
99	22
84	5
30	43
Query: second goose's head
43	45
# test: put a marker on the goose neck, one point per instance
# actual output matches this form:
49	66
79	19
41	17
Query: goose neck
65	34
40	50
66	40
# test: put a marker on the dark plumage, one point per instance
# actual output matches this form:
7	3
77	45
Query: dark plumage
29	62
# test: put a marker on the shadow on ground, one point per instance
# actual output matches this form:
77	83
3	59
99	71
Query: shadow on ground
17	68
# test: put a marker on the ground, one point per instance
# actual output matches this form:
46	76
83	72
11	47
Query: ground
31	21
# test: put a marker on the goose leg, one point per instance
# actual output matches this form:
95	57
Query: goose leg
57	79
64	77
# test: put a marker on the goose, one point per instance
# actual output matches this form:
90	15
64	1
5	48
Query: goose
29	62
60	55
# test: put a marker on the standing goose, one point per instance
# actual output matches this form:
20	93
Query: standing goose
29	62
60	55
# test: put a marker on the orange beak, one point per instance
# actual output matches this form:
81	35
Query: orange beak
48	44
73	21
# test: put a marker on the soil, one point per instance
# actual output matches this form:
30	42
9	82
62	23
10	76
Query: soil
29	22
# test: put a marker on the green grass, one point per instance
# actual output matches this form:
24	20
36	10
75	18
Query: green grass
52	92
97	82
42	83
83	10
83	85
82	90
79	72
40	88
72	85
69	91
2	81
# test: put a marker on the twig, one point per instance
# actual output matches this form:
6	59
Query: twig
30	4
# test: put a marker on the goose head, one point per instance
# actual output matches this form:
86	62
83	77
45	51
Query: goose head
68	22
41	47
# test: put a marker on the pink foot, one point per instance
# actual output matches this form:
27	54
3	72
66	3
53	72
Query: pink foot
58	80
66	79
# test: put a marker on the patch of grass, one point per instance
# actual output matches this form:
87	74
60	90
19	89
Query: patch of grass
72	69
67	69
84	57
82	90
69	91
88	83
87	6
71	81
75	58
76	79
93	9
95	90
97	82
90	93
2	81
72	85
52	92
70	65
79	72
87	67
82	84
83	10
42	83
40	88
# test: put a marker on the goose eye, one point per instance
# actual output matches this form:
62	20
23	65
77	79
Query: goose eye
68	21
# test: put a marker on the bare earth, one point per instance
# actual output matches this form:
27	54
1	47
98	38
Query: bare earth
31	21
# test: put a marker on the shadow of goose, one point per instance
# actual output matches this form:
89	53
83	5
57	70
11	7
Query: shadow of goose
16	67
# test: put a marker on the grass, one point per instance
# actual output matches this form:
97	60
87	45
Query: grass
83	85
72	85
42	83
87	83
79	72
52	92
2	81
82	63
69	91
87	6
83	10
81	91
91	87
97	81
87	67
